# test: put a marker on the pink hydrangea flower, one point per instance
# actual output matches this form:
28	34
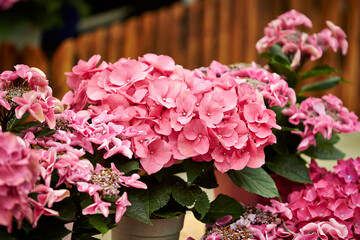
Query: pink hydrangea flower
19	171
321	115
297	44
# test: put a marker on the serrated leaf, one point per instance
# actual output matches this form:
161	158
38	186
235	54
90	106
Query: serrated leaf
15	121
158	194
99	223
322	85
194	169
317	71
202	203
172	209
325	149
291	167
223	205
254	180
182	194
137	210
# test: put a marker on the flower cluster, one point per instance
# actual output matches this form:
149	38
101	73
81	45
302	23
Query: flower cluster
41	164
321	115
204	114
302	46
328	208
27	90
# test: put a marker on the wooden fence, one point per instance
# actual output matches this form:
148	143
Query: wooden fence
196	34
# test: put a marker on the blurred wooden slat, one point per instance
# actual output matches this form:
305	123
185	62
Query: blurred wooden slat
210	28
163	45
8	57
34	57
252	30
350	92
178	33
225	23
114	43
83	46
62	61
237	31
148	37
194	36
130	47
99	42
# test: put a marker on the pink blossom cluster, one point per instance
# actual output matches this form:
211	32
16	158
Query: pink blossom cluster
59	155
321	115
20	172
328	208
26	90
298	44
175	113
274	89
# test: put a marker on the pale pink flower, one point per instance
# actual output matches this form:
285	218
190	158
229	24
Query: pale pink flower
97	206
121	204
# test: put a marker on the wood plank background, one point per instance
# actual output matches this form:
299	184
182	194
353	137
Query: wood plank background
195	34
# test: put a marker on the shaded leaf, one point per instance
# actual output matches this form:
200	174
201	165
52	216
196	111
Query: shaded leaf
14	121
99	223
254	180
291	167
325	149
223	205
194	169
202	204
137	210
317	71
322	85
182	193
66	209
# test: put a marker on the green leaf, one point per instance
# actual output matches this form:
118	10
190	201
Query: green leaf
291	167
223	205
322	85
27	125
99	223
44	132
317	71
127	166
14	121
254	180
325	149
202	204
194	169
137	210
182	193
66	209
170	210
158	194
